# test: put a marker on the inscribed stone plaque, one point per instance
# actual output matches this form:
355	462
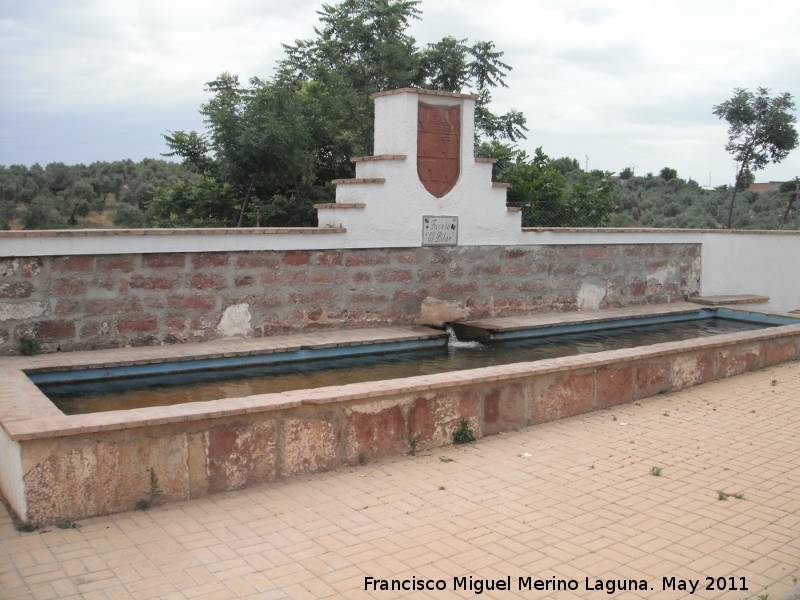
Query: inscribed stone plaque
438	147
439	231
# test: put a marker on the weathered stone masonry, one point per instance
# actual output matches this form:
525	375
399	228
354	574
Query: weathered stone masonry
94	302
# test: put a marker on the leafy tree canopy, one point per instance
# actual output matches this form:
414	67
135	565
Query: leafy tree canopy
666	173
541	190
626	173
760	130
277	143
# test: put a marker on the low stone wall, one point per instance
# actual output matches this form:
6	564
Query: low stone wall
224	445
106	301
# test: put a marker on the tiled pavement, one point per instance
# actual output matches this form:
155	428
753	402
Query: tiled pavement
584	504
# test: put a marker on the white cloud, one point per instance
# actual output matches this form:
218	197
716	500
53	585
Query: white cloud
622	81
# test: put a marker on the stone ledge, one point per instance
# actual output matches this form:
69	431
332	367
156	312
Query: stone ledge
358	180
411	90
48	233
656	230
340	205
100	359
500	184
554	319
483	159
514	208
728	300
358	159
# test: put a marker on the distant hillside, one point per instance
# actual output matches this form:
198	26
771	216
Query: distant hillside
100	195
653	201
118	195
680	203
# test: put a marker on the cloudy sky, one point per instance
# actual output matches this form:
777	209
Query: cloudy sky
623	82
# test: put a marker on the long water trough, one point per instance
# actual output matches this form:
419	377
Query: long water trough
57	465
483	343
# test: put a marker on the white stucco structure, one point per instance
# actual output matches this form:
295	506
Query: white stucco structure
389	211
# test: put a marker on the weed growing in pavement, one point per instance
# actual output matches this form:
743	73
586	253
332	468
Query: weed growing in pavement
463	435
362	459
774	382
154	493
656	471
413	441
67	524
726	495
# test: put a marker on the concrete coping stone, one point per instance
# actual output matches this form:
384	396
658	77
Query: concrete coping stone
657	230
728	300
102	359
485	159
63	425
341	205
557	319
500	184
514	208
159	231
358	180
60	233
412	90
358	159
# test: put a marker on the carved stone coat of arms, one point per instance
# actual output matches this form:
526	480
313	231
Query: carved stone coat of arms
438	147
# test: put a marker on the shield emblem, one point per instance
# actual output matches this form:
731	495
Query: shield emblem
438	147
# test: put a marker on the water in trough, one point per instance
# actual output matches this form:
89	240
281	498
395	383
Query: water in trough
162	390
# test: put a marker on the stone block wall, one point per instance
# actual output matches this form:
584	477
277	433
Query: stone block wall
104	301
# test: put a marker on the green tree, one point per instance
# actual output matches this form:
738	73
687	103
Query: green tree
667	174
592	201
546	200
258	135
760	130
278	143
789	187
129	217
197	202
538	188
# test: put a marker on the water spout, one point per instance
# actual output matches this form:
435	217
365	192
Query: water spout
453	342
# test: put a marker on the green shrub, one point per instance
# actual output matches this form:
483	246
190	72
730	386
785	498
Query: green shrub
463	434
129	216
29	346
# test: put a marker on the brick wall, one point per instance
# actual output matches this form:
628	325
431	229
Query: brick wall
104	301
